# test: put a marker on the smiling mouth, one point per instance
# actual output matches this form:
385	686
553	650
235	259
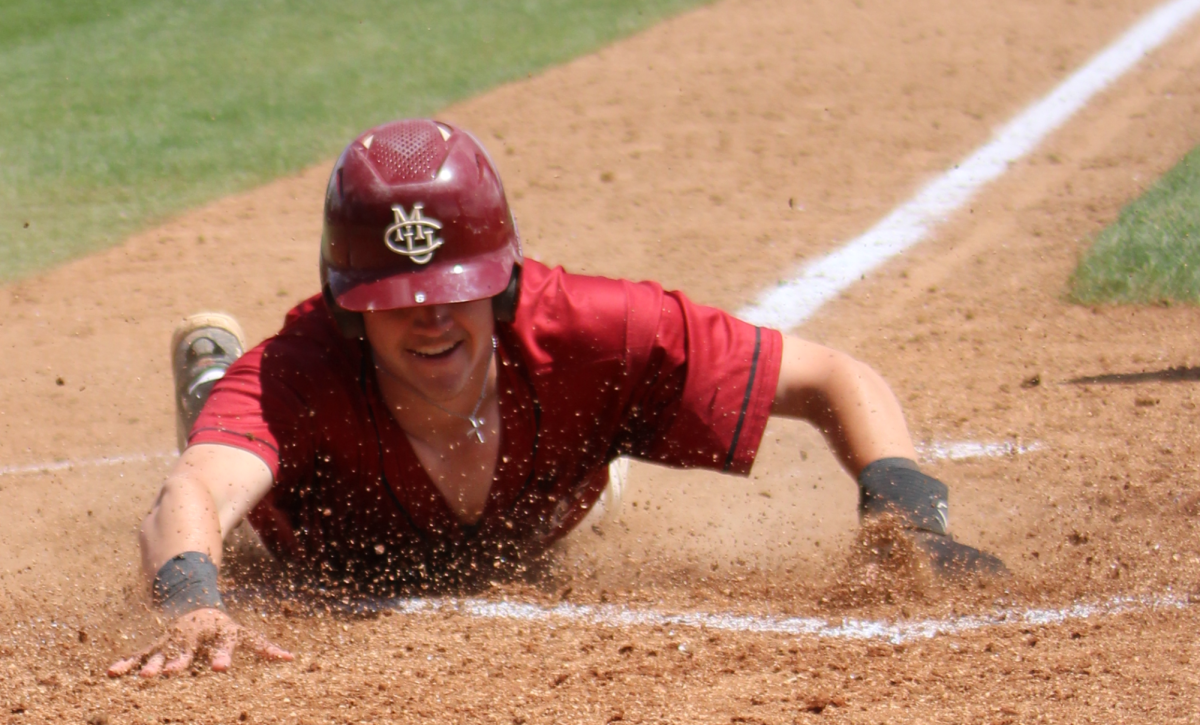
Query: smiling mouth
437	352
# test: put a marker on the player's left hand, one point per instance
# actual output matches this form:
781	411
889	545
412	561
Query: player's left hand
906	503
950	559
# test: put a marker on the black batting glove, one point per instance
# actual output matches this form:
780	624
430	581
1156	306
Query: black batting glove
896	487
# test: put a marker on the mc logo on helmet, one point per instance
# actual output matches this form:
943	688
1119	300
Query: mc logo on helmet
413	236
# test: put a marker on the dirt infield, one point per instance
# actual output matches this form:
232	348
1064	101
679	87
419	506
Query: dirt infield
714	153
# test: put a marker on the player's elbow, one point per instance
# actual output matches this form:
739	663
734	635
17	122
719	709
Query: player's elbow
856	372
811	375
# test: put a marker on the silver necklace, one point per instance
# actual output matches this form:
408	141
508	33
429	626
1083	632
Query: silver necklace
474	418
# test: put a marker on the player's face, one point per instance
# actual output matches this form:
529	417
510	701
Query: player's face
438	350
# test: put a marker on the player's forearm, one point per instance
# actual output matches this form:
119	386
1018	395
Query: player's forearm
861	418
183	519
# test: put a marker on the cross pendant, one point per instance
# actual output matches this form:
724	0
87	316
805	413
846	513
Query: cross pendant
476	428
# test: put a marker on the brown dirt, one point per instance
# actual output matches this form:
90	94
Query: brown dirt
712	152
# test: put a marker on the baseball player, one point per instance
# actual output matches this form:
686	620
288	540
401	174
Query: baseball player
445	409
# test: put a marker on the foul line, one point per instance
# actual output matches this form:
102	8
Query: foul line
965	450
794	301
87	463
614	615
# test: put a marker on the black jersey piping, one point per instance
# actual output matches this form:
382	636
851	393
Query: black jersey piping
737	431
248	436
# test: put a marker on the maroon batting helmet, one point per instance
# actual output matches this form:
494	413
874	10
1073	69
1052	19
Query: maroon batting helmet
415	214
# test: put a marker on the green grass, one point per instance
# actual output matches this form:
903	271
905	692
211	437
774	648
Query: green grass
1152	253
116	114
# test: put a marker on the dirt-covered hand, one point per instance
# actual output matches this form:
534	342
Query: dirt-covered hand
203	632
949	558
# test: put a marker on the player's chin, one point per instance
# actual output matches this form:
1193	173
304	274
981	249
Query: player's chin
439	378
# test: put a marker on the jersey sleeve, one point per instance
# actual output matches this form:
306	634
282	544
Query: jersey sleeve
703	382
257	408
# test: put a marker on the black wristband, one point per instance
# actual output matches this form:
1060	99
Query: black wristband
896	486
187	582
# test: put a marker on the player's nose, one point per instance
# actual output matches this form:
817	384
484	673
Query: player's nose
434	318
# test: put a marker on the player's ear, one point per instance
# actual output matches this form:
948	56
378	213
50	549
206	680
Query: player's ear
350	323
504	305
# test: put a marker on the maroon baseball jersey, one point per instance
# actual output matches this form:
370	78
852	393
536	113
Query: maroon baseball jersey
590	369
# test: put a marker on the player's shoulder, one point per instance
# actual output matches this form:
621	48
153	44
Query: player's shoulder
568	317
311	319
308	341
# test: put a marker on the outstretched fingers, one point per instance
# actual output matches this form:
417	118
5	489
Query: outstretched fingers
232	637
180	662
265	648
221	654
185	641
120	668
153	666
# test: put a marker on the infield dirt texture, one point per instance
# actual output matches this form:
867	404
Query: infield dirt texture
714	153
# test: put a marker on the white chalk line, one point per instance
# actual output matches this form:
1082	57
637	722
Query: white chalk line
52	466
966	450
794	301
898	631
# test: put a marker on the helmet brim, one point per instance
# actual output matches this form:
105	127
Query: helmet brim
484	276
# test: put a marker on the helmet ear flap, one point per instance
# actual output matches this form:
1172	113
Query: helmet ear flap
504	305
350	323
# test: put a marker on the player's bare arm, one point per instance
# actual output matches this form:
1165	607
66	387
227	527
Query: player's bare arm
209	490
846	400
863	424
